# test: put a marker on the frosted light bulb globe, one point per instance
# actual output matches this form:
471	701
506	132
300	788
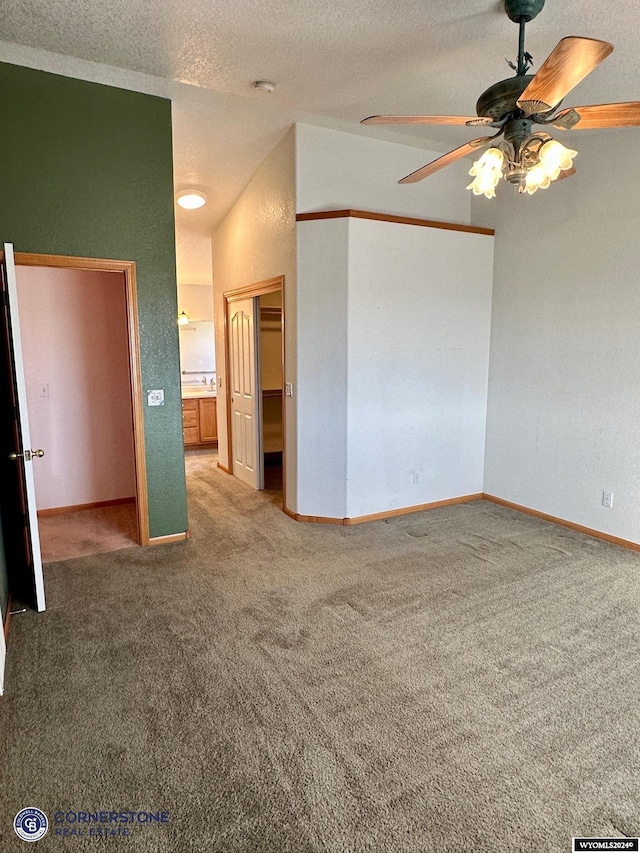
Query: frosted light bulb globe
537	178
487	171
555	158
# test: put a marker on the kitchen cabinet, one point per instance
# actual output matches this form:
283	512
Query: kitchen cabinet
199	421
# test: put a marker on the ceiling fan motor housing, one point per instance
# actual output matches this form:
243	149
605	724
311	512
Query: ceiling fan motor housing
500	99
523	10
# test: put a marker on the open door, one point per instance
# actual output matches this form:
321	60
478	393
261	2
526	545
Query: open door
3	655
20	521
244	397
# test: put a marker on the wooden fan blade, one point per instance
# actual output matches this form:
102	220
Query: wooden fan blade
598	116
446	159
568	63
471	120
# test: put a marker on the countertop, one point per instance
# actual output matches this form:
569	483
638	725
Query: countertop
193	392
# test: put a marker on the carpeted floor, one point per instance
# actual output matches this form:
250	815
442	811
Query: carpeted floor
462	679
87	531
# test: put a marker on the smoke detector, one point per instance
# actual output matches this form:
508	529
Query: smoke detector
264	86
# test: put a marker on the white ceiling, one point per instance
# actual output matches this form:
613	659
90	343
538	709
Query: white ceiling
333	64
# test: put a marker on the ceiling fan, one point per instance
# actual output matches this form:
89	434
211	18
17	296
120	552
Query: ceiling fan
529	159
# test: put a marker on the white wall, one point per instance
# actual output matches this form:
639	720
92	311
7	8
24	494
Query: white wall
196	300
337	170
351	336
256	241
193	251
564	408
392	365
418	353
367	298
321	355
74	336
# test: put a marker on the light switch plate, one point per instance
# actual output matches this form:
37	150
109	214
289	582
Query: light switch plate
155	398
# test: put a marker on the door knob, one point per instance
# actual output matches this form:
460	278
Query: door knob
28	455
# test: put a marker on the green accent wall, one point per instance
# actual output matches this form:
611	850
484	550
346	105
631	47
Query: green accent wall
86	170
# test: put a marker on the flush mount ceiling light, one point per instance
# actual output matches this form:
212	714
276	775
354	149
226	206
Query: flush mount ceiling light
191	199
528	159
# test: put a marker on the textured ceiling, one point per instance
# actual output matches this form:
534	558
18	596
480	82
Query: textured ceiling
332	63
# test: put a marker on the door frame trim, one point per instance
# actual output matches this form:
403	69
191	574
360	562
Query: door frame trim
260	288
128	268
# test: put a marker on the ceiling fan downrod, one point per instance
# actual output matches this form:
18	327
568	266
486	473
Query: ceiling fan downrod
521	12
524	63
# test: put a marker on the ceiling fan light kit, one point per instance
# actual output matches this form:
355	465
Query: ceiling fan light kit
526	158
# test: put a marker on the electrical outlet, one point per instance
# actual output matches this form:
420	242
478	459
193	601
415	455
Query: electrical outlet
288	389
607	499
416	476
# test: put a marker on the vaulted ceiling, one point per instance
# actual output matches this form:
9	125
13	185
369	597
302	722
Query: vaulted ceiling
333	64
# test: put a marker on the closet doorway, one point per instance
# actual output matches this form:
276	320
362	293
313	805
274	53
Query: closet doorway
255	358
271	384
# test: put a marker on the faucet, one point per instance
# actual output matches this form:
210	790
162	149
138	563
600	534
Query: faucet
204	380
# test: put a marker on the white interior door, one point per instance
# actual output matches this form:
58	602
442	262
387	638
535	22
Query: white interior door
245	393
22	454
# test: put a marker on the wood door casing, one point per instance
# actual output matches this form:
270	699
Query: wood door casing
229	297
128	269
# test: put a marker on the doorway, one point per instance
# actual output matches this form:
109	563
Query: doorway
271	384
255	362
75	356
78	321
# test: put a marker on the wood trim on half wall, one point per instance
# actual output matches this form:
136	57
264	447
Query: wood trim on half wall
128	268
387	217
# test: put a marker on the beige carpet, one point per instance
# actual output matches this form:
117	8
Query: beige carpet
462	679
87	531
